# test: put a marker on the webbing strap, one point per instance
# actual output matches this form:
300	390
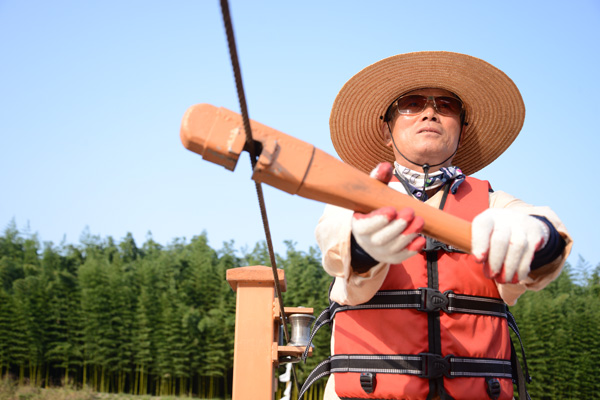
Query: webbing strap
424	365
428	300
520	377
513	325
321	370
324	318
422	299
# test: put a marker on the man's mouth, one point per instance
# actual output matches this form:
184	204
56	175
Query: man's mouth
429	129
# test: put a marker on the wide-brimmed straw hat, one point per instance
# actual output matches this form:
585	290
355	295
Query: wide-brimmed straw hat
495	111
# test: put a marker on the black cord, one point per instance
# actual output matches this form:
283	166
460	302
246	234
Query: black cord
426	172
250	147
237	73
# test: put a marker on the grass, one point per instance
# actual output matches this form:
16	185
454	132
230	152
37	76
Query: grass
9	390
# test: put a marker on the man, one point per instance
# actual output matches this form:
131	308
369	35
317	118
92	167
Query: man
415	318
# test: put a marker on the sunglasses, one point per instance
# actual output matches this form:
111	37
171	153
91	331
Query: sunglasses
416	104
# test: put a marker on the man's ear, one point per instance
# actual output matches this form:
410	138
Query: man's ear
385	133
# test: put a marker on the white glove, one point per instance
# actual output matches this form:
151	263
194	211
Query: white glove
507	240
389	236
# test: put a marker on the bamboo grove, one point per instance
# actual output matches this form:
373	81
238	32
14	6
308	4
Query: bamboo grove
159	319
122	318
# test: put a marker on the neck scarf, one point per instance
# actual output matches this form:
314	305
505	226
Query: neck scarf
416	180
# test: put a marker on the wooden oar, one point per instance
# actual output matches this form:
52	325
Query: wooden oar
297	167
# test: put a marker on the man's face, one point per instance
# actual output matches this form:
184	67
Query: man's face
427	137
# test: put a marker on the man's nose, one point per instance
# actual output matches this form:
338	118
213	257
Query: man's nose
430	111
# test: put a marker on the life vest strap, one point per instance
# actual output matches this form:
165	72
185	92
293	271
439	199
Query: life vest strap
520	375
325	318
424	365
427	300
512	323
422	299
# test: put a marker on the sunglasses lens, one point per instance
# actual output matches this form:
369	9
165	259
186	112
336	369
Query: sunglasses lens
411	104
448	105
415	104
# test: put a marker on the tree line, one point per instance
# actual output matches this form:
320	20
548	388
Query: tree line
122	318
159	320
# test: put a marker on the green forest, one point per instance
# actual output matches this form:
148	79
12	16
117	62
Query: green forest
159	319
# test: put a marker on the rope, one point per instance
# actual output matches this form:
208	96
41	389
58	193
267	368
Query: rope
250	147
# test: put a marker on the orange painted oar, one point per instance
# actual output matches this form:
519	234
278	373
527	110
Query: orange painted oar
297	167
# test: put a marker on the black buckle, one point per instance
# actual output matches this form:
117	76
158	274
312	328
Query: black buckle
434	366
367	381
434	300
493	388
432	245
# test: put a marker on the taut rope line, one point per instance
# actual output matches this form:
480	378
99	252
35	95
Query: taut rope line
250	147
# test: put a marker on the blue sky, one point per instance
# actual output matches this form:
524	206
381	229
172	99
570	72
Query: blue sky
92	95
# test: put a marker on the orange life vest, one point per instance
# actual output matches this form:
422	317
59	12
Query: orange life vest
436	327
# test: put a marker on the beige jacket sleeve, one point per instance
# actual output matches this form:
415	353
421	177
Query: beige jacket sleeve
333	237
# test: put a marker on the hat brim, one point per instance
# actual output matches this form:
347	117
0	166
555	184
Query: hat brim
495	111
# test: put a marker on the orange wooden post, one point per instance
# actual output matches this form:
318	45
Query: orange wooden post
255	331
